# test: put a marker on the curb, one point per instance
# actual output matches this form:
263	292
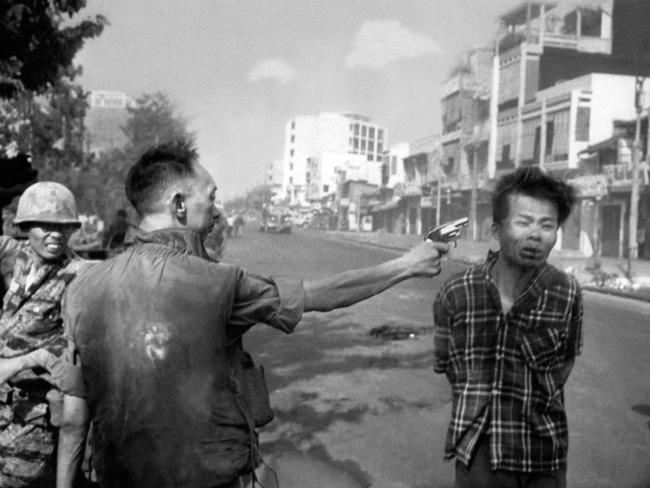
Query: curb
617	293
468	262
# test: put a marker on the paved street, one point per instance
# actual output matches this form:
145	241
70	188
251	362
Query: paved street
354	411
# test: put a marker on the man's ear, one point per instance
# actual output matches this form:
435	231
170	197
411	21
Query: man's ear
179	209
495	230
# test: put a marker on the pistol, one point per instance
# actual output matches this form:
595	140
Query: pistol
447	232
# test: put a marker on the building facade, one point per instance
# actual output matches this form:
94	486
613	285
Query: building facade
563	75
315	146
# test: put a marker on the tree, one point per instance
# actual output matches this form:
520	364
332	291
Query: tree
98	183
41	105
38	42
154	119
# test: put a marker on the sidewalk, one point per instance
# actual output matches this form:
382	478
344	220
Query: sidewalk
609	278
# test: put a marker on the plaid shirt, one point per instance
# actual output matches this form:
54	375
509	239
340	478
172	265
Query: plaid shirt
507	371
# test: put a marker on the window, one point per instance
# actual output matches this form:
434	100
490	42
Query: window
371	146
290	166
380	147
371	132
293	124
549	138
505	154
293	138
370	158
582	124
393	165
363	131
380	134
355	143
291	153
363	144
538	139
356	129
291	180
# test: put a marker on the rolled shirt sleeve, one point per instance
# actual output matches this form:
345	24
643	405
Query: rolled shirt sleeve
69	365
278	302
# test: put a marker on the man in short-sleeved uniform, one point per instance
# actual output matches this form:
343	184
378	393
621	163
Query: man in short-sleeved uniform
506	335
150	330
35	272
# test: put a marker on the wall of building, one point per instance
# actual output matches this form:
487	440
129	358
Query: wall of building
396	155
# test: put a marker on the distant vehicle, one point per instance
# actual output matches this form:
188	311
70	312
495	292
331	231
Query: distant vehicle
304	219
277	223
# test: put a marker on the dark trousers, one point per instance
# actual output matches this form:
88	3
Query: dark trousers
479	474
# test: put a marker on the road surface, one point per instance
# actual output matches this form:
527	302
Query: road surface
353	410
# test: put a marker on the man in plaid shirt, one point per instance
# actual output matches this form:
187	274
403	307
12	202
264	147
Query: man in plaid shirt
506	335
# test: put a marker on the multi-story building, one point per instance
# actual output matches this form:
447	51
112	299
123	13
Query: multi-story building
405	202
106	115
315	141
421	178
326	171
385	204
563	74
465	134
547	43
604	180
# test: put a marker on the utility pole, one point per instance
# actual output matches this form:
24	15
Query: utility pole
474	196
438	199
634	192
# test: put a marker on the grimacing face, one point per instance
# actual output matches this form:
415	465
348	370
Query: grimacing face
49	241
200	199
528	234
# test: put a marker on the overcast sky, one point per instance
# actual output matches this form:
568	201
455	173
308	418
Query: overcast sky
240	69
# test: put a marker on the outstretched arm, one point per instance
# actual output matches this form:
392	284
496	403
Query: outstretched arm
72	437
350	287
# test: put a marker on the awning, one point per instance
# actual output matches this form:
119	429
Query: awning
385	206
609	143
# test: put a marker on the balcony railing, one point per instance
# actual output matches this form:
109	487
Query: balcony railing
413	188
621	175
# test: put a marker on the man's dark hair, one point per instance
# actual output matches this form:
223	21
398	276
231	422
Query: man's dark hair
156	169
121	213
532	182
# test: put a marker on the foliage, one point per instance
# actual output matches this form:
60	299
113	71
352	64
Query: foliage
152	120
38	42
99	183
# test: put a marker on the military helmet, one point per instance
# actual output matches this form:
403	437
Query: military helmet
47	202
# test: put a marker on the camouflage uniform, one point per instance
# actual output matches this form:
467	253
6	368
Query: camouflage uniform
30	404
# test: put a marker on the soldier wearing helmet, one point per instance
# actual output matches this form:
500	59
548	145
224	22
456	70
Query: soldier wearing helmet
35	273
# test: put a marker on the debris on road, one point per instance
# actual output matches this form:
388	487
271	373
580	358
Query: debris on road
396	332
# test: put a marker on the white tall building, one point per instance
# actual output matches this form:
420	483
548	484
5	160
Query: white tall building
321	144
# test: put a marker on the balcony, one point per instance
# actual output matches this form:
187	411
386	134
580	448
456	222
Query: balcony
620	175
540	23
412	188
